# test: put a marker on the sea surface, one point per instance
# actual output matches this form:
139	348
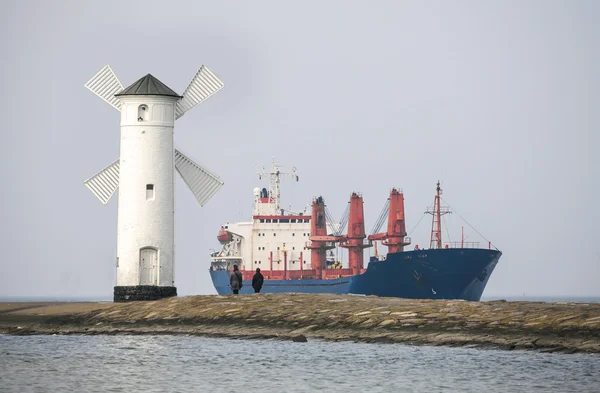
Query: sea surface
196	364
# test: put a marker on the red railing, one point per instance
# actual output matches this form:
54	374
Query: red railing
328	274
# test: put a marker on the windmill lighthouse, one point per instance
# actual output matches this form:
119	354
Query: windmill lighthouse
145	177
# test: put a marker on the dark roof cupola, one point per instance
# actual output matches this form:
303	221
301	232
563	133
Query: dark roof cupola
148	86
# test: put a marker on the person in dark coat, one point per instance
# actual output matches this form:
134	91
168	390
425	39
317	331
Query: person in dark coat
235	280
257	281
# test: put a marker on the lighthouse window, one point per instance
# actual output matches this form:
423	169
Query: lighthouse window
142	111
274	234
149	191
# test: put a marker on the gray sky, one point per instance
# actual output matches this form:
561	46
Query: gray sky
497	99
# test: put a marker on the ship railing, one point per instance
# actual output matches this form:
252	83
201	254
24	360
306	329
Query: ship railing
327	244
461	245
216	259
306	274
334	273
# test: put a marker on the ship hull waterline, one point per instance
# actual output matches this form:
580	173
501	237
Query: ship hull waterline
457	273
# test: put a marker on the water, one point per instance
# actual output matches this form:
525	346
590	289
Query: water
546	299
194	364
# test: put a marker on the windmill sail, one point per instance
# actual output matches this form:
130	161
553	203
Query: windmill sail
104	184
204	85
201	182
105	85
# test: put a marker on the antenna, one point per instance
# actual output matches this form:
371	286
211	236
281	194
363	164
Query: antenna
437	212
274	191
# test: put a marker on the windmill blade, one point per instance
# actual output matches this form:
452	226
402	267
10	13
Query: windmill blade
204	85
104	183
201	182
105	85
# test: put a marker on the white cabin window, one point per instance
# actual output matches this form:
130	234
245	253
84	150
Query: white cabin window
142	112
149	191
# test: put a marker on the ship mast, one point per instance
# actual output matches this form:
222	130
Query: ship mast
275	181
437	211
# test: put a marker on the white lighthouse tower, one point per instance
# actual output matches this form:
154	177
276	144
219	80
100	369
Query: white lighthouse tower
145	177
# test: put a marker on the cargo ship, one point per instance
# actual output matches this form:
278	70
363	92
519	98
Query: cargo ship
295	251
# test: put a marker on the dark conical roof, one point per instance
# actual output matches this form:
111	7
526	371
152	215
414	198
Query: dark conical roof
148	86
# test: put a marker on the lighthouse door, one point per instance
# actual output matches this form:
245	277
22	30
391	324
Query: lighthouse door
148	266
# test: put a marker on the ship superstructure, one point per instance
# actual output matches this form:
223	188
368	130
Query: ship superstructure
276	240
295	250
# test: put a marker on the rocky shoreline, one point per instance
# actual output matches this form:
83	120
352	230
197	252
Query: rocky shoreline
546	327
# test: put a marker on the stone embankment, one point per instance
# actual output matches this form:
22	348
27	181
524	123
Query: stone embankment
548	327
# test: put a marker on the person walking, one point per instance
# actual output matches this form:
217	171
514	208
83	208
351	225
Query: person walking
235	280
257	281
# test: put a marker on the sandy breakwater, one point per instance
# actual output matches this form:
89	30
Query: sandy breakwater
548	327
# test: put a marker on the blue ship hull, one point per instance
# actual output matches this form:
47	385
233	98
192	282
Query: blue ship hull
456	273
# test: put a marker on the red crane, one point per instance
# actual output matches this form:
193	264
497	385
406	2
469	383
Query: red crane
354	240
395	237
319	241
